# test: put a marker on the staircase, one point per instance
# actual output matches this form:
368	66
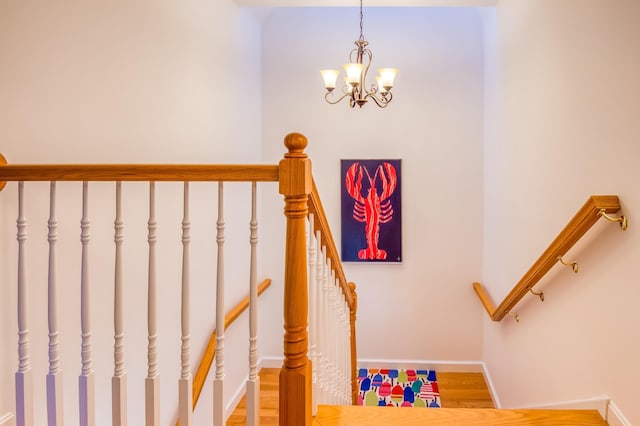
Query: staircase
465	396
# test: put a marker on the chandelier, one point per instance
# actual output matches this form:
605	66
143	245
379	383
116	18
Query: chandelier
355	87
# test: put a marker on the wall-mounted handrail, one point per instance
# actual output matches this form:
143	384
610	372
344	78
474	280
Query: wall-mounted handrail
206	360
594	208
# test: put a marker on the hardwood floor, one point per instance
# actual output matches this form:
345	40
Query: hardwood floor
464	390
465	400
269	383
362	416
457	390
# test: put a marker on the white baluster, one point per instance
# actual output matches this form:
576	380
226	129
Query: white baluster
320	256
86	379
326	343
185	396
218	382
253	384
119	379
54	378
320	253
24	378
334	335
339	348
152	381
319	308
312	313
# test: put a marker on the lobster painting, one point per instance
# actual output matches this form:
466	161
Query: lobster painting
372	204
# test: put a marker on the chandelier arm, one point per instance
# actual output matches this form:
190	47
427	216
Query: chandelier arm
382	103
326	98
365	71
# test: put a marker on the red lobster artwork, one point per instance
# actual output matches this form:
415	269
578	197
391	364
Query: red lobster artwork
373	209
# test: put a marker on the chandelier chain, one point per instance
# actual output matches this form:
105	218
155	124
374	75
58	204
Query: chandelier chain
361	17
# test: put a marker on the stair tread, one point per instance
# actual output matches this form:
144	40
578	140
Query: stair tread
330	415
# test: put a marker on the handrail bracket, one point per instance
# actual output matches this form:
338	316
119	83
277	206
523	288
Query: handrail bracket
622	220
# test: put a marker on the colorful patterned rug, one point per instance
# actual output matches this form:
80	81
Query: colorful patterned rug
398	388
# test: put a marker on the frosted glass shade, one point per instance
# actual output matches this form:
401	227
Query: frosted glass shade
330	77
354	70
387	75
381	87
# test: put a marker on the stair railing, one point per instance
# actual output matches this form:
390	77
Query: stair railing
295	183
333	315
596	207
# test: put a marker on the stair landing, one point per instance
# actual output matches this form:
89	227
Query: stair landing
330	415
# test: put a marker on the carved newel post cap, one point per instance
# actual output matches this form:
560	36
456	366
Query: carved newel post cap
295	143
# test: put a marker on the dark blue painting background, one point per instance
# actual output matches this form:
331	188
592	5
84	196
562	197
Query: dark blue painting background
353	234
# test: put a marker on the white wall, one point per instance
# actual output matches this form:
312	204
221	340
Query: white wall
434	124
171	81
565	101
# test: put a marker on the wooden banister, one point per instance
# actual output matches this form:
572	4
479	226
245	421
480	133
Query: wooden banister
583	220
207	357
138	172
320	223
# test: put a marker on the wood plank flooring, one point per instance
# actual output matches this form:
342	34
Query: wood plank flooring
457	390
362	416
465	398
269	383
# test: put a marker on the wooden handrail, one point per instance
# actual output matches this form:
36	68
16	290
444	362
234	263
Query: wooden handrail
321	224
138	172
583	220
209	353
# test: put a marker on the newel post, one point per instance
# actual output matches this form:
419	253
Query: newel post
295	375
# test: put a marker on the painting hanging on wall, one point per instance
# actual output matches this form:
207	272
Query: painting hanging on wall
371	210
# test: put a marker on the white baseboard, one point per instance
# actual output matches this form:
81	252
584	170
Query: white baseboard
492	389
8	420
237	397
605	406
271	362
614	416
440	365
267	362
599	403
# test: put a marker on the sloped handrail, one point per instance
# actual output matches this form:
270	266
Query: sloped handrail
206	360
321	224
592	210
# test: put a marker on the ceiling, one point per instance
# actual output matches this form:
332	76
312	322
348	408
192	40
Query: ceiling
354	3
